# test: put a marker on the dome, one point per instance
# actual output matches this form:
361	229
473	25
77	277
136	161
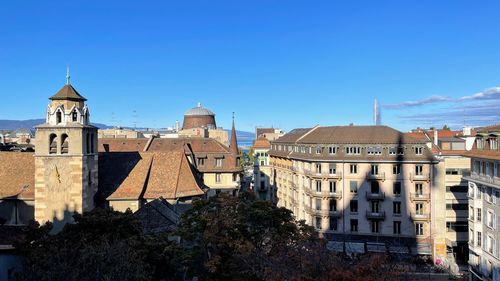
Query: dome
199	117
199	111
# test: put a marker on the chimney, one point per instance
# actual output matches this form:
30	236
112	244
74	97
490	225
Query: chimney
436	137
177	125
467	131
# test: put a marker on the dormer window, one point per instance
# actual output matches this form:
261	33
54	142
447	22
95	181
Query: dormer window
332	149
353	150
493	144
419	150
480	143
58	117
374	150
318	149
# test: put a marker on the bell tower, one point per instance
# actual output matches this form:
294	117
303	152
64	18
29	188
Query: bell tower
66	159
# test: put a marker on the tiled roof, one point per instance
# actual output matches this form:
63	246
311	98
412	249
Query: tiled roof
262	142
121	145
68	93
483	154
261	131
134	175
420	135
157	216
17	175
348	135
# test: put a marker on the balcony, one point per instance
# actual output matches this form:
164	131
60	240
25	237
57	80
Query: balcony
420	196
420	217
323	175
325	194
485	178
375	196
316	212
375	215
379	176
420	177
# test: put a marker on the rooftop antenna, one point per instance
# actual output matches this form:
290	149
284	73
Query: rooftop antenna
134	115
67	75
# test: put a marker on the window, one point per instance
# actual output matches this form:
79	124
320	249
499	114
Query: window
375	206
456	226
396	227
478	216
218	162
332	169
396	189
218	177
353	150
354	187
318	222
353	206
396	150
65	144
480	143
396	208
471	213
419	229
318	204
374	169
332	149
52	144
58	117
419	150
419	169
375	187
491	219
318	168
201	161
456	188
493	144
333	205
396	169
374	150
318	186
318	150
419	189
235	176
333	186
334	224
490	244
375	226
419	208
479	238
354	169
354	225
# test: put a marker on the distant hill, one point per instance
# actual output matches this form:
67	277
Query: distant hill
244	138
31	123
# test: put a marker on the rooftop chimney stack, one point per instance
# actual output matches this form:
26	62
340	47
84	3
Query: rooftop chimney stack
436	137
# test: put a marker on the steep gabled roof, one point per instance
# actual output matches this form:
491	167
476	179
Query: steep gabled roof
68	93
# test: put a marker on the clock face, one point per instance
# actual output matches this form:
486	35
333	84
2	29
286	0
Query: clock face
59	177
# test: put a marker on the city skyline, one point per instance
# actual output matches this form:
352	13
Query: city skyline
264	61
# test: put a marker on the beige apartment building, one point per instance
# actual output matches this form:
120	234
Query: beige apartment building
370	185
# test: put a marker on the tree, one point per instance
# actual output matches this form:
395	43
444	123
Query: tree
102	245
248	239
446	128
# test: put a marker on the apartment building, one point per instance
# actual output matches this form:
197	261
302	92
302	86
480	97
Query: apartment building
484	205
365	184
262	170
448	147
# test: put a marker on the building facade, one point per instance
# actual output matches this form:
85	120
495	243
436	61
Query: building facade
368	184
262	170
484	205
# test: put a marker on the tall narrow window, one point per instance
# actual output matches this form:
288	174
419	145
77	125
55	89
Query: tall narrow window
74	116
58	117
52	144
64	144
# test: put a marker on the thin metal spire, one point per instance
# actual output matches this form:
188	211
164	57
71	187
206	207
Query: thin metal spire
67	76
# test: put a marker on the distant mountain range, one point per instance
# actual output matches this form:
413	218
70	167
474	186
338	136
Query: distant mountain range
244	138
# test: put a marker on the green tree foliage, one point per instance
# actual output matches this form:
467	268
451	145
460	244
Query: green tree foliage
102	245
223	238
446	128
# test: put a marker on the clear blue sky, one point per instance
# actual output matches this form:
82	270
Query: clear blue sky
282	63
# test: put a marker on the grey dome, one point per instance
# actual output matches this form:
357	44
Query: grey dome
199	111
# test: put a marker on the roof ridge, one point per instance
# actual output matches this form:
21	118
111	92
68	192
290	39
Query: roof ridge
307	133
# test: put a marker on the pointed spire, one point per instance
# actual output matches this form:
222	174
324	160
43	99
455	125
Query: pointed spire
67	76
234	142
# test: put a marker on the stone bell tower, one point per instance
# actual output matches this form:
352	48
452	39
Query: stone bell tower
66	159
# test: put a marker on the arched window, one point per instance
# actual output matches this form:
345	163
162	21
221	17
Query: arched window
53	144
58	117
74	116
64	144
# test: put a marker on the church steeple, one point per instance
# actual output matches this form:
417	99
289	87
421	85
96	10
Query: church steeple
234	142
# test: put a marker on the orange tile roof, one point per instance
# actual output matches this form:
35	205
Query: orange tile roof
17	175
261	142
121	145
483	154
150	175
